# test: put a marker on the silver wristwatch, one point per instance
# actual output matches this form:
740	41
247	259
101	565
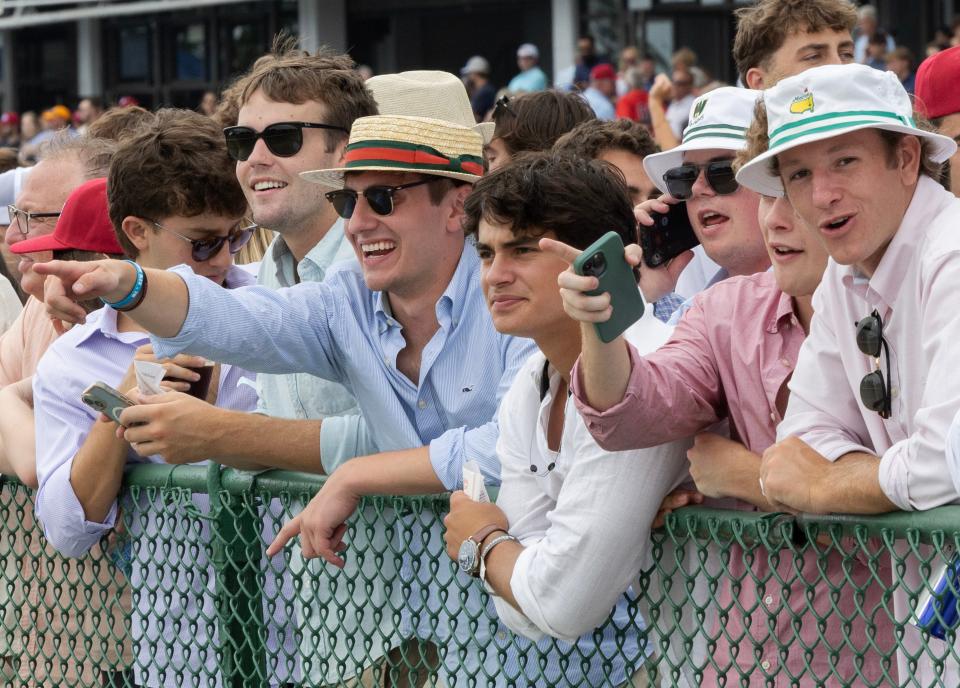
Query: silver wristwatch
468	558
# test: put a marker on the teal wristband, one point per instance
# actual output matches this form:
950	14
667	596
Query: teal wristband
134	292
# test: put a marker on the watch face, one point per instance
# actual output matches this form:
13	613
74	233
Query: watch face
467	557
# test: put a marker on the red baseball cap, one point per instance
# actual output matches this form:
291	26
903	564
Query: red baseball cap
84	224
603	71
10	118
935	88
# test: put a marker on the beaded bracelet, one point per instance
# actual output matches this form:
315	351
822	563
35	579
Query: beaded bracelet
135	297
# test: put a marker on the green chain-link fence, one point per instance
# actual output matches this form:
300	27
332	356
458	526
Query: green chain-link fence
183	595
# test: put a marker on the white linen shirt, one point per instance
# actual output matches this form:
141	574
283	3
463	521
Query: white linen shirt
584	524
914	289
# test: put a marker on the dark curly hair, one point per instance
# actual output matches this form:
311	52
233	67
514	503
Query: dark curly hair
578	200
534	121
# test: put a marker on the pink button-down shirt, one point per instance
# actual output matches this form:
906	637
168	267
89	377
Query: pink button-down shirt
730	357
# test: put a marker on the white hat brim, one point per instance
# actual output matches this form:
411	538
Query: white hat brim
333	178
657	164
755	175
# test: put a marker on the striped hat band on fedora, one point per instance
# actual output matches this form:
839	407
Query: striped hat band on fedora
718	121
830	101
407	144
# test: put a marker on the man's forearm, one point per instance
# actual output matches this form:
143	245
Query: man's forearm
499	567
604	369
662	133
404	472
852	486
97	471
252	441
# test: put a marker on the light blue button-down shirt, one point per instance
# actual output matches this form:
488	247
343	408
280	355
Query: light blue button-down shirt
300	395
341	331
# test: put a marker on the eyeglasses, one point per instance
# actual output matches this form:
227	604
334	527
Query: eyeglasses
719	175
16	214
502	105
874	389
284	139
380	198
205	249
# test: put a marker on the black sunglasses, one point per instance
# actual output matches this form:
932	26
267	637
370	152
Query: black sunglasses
719	174
874	389
205	249
380	198
284	139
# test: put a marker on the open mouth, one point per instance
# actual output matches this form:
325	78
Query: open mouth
377	248
267	185
785	251
710	218
835	224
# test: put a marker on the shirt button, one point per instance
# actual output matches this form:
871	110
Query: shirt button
773	416
422	404
785	362
768	600
894	391
501	635
765	664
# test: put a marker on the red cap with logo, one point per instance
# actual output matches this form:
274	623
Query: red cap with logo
603	71
935	88
83	225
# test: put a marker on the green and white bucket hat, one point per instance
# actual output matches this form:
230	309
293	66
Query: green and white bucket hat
830	101
718	119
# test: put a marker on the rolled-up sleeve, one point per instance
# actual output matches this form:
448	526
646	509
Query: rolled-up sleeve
914	472
672	393
62	426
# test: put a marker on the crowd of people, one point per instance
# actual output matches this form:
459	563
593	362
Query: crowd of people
414	313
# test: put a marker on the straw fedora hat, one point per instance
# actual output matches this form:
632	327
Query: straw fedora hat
830	101
407	144
427	93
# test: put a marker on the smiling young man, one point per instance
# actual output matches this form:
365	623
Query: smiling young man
885	331
405	330
553	536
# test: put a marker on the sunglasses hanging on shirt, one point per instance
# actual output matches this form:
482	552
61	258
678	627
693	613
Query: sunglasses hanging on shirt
875	392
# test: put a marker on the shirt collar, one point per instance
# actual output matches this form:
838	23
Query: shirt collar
785	311
451	304
884	286
321	256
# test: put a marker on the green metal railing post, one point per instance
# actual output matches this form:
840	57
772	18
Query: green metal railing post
237	552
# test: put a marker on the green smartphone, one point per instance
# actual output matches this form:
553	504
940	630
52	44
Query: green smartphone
604	260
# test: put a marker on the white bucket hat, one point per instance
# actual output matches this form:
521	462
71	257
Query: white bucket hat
830	101
718	119
427	93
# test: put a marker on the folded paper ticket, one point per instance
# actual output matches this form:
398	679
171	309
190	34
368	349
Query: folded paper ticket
149	375
473	483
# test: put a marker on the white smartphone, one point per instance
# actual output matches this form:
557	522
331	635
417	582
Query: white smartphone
104	399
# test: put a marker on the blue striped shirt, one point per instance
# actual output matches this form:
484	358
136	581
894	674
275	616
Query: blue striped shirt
339	330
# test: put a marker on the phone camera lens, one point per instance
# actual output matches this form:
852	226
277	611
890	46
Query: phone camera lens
596	265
